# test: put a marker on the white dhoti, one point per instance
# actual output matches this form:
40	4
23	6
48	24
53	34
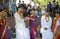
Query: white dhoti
47	34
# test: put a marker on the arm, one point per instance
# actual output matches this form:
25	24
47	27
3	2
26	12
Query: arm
31	18
43	25
51	22
42	22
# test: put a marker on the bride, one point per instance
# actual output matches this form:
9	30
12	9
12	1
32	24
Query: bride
21	31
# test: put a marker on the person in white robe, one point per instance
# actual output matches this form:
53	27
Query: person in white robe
21	31
46	22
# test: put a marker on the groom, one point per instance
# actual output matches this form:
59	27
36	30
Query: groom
46	22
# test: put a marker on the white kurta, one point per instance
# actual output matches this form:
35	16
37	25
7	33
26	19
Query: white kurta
21	31
46	34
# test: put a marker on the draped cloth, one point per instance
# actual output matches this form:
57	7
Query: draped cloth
56	29
33	27
54	25
2	28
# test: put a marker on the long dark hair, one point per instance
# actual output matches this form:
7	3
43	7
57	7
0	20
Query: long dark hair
22	6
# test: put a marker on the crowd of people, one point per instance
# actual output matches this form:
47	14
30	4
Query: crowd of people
40	10
50	23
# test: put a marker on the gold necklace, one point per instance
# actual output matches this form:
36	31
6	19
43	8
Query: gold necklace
47	19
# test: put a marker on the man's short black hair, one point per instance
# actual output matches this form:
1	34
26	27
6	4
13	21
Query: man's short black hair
32	9
0	10
47	10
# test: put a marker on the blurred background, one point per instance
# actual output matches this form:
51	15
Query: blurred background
39	5
10	5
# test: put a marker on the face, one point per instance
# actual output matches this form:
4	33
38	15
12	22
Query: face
21	10
32	12
57	15
47	13
1	15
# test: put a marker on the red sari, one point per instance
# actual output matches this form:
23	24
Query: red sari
33	27
57	34
2	28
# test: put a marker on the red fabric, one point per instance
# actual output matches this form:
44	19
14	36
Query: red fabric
54	25
33	34
1	31
31	16
58	37
6	35
2	27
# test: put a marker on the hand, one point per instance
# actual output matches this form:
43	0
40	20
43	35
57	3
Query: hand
33	19
27	18
38	16
46	28
28	27
1	23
